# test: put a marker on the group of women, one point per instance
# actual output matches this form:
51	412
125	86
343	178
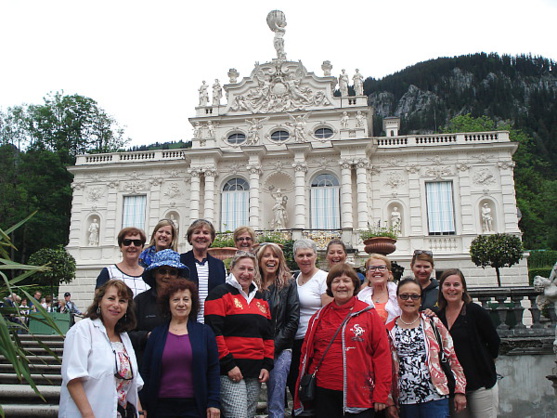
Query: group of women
201	342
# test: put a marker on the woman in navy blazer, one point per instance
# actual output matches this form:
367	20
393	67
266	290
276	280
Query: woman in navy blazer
181	362
206	271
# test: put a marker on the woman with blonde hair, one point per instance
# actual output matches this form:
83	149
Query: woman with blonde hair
244	238
279	290
379	290
164	237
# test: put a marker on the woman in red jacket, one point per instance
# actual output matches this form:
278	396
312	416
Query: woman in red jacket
354	373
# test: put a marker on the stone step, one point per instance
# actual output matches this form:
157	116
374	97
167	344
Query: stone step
37	359
43	351
40	379
28	411
36	368
24	394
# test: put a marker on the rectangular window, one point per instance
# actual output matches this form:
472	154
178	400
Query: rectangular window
325	208
134	211
235	210
440	208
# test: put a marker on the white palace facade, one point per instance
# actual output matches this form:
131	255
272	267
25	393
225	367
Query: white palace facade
278	150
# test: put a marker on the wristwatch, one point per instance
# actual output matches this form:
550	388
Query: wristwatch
141	413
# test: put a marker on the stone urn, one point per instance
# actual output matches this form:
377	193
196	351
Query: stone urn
380	245
222	253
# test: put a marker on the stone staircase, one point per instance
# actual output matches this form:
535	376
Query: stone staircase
17	398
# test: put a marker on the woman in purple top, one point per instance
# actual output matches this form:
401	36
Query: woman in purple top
181	361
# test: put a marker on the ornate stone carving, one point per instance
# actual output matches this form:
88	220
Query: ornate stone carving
505	165
78	185
362	163
462	167
487	218
343	83
394	179
280	216
194	172
396	220
156	181
217	93
298	124
113	184
197	131
276	20
300	167
484	177
203	94
254	125
210	130
345	164
344	119
327	68
173	190
210	172
134	186
360	119
438	172
279	89
358	83
233	75
94	232
254	169
413	169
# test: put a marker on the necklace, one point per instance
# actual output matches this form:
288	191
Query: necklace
408	323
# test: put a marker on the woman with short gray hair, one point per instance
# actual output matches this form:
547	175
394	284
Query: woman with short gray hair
312	293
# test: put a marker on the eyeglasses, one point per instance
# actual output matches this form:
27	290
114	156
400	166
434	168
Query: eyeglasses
244	239
377	268
406	296
136	242
118	375
170	271
418	252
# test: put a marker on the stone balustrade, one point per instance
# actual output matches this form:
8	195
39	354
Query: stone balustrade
442	139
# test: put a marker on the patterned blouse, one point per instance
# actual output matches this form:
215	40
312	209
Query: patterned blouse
124	370
414	378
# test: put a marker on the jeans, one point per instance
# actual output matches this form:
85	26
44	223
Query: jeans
276	386
431	409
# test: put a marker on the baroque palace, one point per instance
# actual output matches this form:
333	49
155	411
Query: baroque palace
278	150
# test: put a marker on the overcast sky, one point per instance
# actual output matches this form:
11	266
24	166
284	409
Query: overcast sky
144	61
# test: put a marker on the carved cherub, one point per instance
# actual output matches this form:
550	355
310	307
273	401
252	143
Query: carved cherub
254	125
298	123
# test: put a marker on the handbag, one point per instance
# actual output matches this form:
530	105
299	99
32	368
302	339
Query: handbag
308	382
444	361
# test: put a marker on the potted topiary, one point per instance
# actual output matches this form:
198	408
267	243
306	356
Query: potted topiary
379	238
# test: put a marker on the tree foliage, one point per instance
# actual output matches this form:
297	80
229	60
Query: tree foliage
497	251
61	266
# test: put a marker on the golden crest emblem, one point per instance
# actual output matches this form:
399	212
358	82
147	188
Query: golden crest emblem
238	304
262	308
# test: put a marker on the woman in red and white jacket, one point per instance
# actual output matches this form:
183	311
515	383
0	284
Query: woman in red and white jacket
422	384
355	375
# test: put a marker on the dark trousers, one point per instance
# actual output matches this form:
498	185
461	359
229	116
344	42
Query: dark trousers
294	366
328	404
176	408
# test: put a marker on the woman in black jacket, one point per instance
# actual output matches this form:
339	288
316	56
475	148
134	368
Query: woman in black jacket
476	344
279	289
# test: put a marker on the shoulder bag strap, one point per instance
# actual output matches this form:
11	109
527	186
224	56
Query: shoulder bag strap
439	340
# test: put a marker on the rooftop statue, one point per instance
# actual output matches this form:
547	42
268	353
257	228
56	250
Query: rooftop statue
277	23
358	83
343	83
217	93
203	94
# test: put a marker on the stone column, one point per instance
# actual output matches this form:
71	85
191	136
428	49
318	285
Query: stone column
195	174
254	199
300	169
209	195
362	166
346	194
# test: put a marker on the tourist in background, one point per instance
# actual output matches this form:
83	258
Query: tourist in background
336	254
279	290
164	237
379	290
241	321
164	269
422	385
422	267
130	241
312	293
206	271
181	361
476	344
244	238
100	377
347	343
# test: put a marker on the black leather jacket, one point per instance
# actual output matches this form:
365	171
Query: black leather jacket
285	313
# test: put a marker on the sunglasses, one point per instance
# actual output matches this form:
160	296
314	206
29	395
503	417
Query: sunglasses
378	268
136	242
170	271
118	375
244	239
406	296
418	252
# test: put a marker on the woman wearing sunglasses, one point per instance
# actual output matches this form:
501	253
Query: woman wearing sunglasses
99	367
131	241
379	290
422	384
181	360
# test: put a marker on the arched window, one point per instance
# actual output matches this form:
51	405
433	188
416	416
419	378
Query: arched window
234	204
325	202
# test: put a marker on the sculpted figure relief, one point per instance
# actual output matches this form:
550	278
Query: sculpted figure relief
276	20
254	125
360	119
343	83
94	233
344	120
298	124
396	220
280	216
203	94
487	218
358	83
217	93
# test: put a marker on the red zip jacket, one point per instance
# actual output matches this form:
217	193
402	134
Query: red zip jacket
366	358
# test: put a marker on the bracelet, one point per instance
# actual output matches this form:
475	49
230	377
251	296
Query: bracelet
142	413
